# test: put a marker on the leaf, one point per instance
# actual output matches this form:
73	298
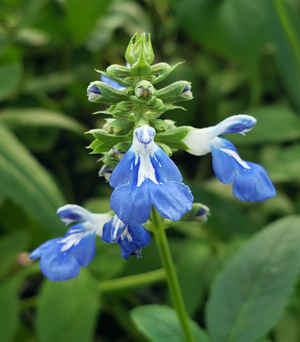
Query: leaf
226	27
10	246
9	310
284	56
67	310
250	293
284	164
84	16
24	180
160	324
9	79
225	220
39	117
276	123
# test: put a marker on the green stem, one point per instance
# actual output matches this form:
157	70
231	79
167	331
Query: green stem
280	8
126	283
166	257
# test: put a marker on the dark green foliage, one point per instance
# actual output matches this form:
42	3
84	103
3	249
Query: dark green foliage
241	59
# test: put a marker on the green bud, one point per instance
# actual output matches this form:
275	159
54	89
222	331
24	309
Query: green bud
139	55
178	91
199	212
144	89
101	92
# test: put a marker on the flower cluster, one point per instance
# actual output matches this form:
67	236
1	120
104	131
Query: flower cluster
136	146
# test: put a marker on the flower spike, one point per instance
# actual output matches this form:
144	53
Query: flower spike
146	176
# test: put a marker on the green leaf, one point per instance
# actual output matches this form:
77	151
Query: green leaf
67	310
250	293
226	220
24	180
226	27
9	310
284	164
276	123
284	56
160	324
9	79
39	117
10	246
82	17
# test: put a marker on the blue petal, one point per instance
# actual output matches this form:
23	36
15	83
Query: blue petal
124	172
113	229
136	238
111	82
61	258
236	124
85	250
253	185
73	213
131	203
171	199
250	181
127	169
54	264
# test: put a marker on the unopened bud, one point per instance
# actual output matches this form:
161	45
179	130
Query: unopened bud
101	92
105	171
178	91
144	89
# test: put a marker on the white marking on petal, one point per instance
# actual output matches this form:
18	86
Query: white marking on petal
143	152
126	234
117	225
236	157
73	240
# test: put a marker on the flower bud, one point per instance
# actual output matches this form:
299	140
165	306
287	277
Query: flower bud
139	55
101	92
199	212
144	89
178	91
105	171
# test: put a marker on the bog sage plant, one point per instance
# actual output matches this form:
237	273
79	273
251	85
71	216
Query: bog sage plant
136	146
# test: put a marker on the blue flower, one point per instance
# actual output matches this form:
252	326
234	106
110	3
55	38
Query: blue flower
250	181
61	258
130	238
111	82
144	177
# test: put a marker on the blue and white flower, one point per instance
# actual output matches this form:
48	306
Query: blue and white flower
130	238
144	177
250	181
61	258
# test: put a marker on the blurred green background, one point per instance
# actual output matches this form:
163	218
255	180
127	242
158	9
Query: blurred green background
242	57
